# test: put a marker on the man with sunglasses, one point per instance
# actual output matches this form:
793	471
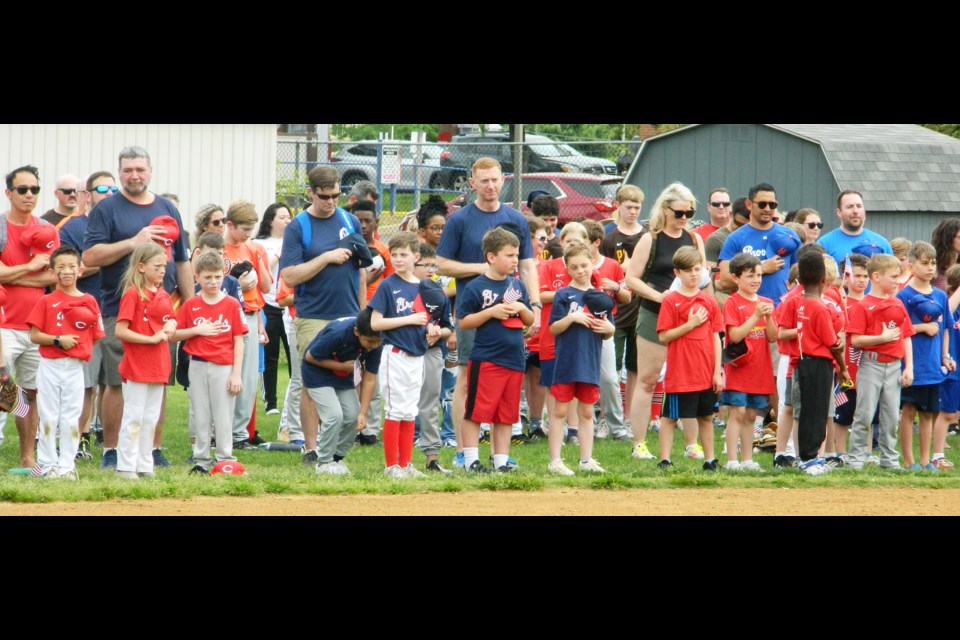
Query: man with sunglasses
719	208
852	236
68	199
776	246
740	216
117	225
24	275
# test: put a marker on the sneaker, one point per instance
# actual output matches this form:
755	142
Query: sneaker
664	465
198	471
395	472
109	459
732	465
641	452
871	459
83	452
914	467
331	469
711	465
127	475
752	466
573	439
283	435
603	431
485	437
476	467
953	429
694	452
943	464
557	468
785	462
834	462
513	464
435	467
591	466
367	441
412	472
538	434
159	460
343	467
506	469
458	460
311	457
273	411
623	437
450	443
718	423
256	440
815	467
147	475
655	426
519	439
71	475
931	467
244	445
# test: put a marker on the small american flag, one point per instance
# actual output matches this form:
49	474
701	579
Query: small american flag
840	396
512	295
22	407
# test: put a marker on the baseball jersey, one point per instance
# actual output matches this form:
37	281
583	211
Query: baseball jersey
578	348
611	270
338	342
690	358
216	349
553	276
873	314
765	244
20	300
494	342
815	326
47	316
394	299
255	254
72	234
927	350
145	363
753	373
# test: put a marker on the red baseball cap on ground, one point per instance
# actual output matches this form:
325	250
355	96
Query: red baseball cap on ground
229	468
171	233
42	238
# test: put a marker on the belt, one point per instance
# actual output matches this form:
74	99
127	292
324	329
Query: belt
878	357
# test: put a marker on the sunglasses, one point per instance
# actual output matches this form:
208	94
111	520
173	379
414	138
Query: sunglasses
815	225
217	223
681	214
67	192
541	238
23	190
720	205
105	189
763	205
332	196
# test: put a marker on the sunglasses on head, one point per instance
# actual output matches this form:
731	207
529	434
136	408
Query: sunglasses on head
815	225
720	205
763	205
681	214
332	196
22	190
105	189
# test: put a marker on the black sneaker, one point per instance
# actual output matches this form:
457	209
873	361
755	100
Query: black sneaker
711	465
537	434
366	441
159	460
519	439
244	445
476	467
435	467
311	456
199	471
83	452
485	437
785	462
256	440
506	469
953	429
835	462
665	465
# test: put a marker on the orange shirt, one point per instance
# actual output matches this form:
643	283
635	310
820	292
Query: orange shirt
256	255
387	270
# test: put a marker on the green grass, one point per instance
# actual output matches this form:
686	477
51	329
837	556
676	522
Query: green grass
282	474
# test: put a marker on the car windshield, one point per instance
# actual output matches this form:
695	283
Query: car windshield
550	150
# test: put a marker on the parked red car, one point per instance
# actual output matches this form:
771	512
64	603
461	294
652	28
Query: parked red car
580	195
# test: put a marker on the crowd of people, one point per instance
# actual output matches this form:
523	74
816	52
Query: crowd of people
482	326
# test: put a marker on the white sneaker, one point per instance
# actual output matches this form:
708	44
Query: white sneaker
330	469
641	452
814	467
591	466
345	470
557	468
412	472
603	431
733	465
127	475
751	465
694	452
395	472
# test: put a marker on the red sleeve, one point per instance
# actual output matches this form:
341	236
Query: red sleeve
184	321
857	320
38	315
823	326
668	314
239	322
128	305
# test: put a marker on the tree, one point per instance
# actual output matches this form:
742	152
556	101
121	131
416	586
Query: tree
948	129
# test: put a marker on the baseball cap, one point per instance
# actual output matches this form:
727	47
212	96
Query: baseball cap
356	245
42	238
734	352
429	300
598	304
79	317
924	307
159	311
536	193
229	468
171	233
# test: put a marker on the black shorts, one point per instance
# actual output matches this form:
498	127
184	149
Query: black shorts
845	412
696	404
533	360
925	397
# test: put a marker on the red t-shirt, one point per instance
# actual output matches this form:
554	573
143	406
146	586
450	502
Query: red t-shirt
217	349
47	316
553	276
837	308
690	359
284	291
705	231
753	373
611	270
20	300
815	326
786	318
873	314
145	363
256	255
852	356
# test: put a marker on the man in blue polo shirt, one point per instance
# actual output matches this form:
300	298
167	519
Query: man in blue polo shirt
852	236
327	280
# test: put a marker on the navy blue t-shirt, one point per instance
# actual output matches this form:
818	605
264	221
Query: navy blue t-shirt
462	238
927	351
231	287
765	244
446	322
332	293
116	219
394	299
578	348
338	342
72	233
494	342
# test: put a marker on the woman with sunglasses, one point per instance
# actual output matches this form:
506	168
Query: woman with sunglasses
650	279
812	224
210	218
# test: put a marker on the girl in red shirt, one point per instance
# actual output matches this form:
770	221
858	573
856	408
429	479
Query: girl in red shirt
145	324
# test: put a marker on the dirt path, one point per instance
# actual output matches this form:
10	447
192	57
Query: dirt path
564	502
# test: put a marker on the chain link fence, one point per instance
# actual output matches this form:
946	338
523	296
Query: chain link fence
408	173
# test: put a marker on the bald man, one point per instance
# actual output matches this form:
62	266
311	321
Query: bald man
68	200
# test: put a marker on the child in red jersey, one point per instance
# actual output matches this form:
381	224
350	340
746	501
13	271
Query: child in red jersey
66	324
856	278
689	324
145	324
213	326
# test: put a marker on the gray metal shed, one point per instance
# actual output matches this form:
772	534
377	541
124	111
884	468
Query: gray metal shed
909	175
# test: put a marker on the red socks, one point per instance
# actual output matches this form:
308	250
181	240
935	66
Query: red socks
398	442
406	443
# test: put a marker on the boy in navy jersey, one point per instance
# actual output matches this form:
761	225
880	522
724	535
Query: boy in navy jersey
405	335
497	305
580	323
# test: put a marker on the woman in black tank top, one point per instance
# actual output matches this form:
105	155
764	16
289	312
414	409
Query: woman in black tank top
669	219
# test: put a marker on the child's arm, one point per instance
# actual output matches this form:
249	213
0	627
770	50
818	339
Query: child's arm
125	334
234	382
526	314
887	335
67	342
718	364
771	329
604	327
266	278
262	330
379	323
906	378
205	328
929	328
367	384
478	319
946	358
954	301
564	323
739	333
697	317
331	365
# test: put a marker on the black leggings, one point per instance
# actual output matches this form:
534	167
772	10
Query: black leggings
271	353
